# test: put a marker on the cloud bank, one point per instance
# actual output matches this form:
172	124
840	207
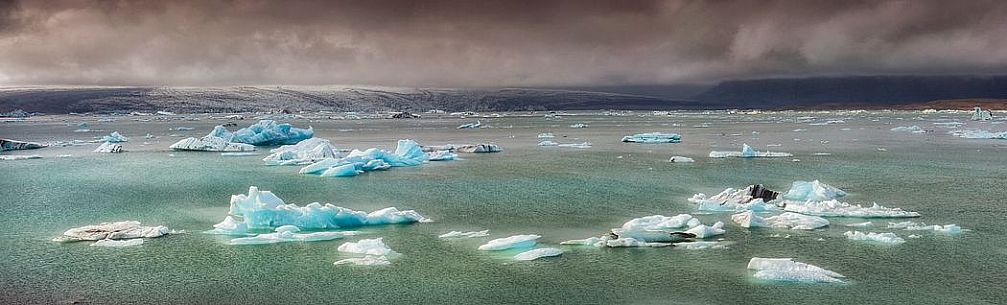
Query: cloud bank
489	43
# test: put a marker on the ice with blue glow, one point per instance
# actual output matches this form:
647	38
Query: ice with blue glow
537	254
115	137
265	132
407	153
653	138
259	210
305	152
813	191
787	270
513	242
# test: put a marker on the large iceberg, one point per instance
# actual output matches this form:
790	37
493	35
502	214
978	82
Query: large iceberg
115	137
653	137
407	153
265	132
537	254
306	152
210	143
112	230
748	152
787	270
513	242
884	238
262	210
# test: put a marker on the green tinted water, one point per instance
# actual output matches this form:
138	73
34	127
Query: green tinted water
559	193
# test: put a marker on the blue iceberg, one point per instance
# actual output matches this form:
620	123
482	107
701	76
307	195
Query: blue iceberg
407	153
265	132
115	137
306	152
262	210
653	137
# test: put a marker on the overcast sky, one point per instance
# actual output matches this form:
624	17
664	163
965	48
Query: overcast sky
489	43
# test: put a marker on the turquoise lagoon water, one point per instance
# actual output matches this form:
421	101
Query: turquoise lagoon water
558	193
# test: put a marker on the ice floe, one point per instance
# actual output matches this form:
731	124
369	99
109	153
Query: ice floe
513	242
265	132
6	144
260	210
702	245
112	230
788	220
567	145
653	137
467	148
748	152
19	157
109	147
546	135
459	234
787	270
910	129
112	243
289	233
115	137
368	260
374	247
476	124
210	143
835	208
537	254
980	134
578	125
407	153
884	238
304	152
754	197
681	159
950	229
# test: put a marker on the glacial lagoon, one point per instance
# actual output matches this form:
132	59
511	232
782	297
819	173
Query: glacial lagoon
560	193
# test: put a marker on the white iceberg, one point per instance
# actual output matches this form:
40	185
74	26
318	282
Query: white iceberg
748	152
459	234
701	245
653	138
681	159
950	229
368	260
786	220
885	238
731	200
787	270
210	143
704	231
305	152
980	134
19	157
265	132
115	137
374	247
109	147
112	243
288	233
910	129
259	210
814	191
537	254
513	242
112	230
835	208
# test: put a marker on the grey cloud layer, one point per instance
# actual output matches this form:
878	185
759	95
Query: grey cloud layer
489	43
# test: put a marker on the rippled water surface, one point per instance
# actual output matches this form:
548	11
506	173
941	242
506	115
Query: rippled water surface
559	193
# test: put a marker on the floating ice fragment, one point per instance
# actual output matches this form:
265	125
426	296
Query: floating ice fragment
786	220
950	229
835	208
885	238
459	234
578	125
513	242
19	157
118	243
477	124
407	153
546	135
288	233
701	245
265	132
442	155
787	270
681	159
754	197
210	143
748	152
6	145
537	253
704	231
567	145
375	247
305	152
978	114
911	129
368	260
814	191
653	137
860	224
115	137
109	147
112	230
980	134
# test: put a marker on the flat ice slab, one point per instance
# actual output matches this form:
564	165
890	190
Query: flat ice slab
210	143
883	238
513	242
787	270
653	138
537	254
749	152
112	230
265	132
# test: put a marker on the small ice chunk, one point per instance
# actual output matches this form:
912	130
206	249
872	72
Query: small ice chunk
704	231
885	238
375	247
578	125
701	245
653	138
752	198
115	137
513	242
118	243
442	155
910	129
860	224
546	135
681	159
787	270
749	152
19	157
814	191
537	253
109	147
459	234
369	260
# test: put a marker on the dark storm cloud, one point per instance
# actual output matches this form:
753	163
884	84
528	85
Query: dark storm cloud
490	43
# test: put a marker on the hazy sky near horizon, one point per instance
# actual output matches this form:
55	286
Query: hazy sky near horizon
489	43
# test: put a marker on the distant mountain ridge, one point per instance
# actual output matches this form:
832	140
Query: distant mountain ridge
871	92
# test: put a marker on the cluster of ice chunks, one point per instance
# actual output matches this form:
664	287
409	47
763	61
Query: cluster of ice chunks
949	229
113	234
262	210
980	134
305	152
653	137
884	238
749	152
787	270
407	153
265	132
810	198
